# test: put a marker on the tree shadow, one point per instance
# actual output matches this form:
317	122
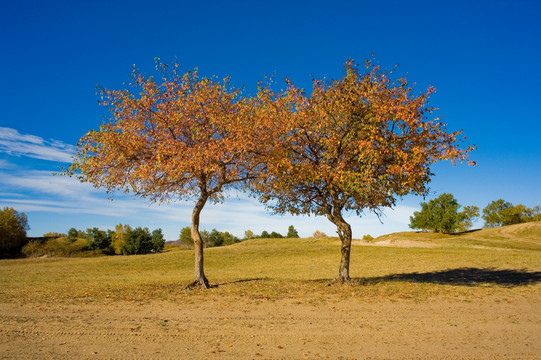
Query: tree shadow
463	276
236	282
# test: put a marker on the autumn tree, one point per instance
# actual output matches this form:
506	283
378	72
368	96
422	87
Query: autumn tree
118	238
13	226
355	144
179	137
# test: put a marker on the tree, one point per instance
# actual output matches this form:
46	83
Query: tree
355	144
158	242
249	234
185	236
275	235
13	226
500	213
291	232
118	238
467	216
72	234
97	239
215	238
441	215
184	137
138	241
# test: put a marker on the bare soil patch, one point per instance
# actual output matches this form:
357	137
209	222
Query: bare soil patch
230	327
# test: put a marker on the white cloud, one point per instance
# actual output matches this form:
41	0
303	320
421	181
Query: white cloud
59	197
16	144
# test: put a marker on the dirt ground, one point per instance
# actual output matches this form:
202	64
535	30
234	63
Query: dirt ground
240	328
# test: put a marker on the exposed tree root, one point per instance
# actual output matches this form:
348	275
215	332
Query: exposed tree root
202	283
341	281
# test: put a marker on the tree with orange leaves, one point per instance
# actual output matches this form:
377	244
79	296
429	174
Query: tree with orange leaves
181	137
355	144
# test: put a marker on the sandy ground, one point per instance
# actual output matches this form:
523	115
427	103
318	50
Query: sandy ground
239	328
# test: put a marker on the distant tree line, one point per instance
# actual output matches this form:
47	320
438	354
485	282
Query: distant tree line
442	215
215	238
501	213
123	240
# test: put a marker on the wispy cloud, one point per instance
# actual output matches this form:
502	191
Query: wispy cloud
15	144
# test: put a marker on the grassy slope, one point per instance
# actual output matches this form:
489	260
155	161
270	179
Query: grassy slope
521	237
293	267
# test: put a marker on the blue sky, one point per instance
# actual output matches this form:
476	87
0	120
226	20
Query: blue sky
483	57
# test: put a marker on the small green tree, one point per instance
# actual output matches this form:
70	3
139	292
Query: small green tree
72	234
215	238
292	233
441	215
185	236
467	216
264	235
158	242
229	239
13	226
248	234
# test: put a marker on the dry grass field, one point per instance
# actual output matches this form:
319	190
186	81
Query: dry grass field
415	295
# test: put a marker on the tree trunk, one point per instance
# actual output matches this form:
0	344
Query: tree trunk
200	278
344	232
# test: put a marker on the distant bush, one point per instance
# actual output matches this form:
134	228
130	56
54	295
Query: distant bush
273	235
211	238
32	249
368	238
291	232
319	234
54	235
57	247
